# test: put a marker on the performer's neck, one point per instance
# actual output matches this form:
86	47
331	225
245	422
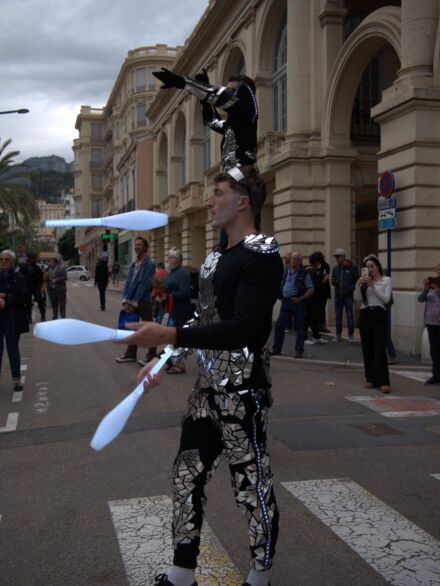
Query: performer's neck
237	233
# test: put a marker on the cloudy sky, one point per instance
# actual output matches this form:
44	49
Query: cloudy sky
56	55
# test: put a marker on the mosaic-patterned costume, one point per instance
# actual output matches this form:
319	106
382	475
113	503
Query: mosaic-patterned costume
227	409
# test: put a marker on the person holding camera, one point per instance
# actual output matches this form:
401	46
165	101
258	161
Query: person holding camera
374	289
431	296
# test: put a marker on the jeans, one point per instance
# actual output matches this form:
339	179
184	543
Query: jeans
290	310
102	288
12	339
145	310
340	303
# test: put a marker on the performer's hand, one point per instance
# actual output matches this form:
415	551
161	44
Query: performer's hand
148	334
169	79
153	381
202	76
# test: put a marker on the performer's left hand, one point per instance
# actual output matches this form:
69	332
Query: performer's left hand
148	334
153	381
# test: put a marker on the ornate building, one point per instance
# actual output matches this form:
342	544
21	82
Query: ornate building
346	90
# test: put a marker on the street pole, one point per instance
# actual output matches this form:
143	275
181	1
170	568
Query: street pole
20	111
390	346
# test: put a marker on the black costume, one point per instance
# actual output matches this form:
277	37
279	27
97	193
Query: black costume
239	130
227	409
34	281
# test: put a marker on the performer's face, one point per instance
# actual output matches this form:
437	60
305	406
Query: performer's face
224	205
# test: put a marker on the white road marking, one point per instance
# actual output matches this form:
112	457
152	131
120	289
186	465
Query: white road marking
23	367
437	476
41	403
143	527
17	396
397	549
11	423
419	376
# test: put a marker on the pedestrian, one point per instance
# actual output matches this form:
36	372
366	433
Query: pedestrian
136	296
34	281
13	315
115	273
57	276
325	267
431	296
158	293
101	279
228	407
296	288
344	278
375	291
178	290
289	321
315	303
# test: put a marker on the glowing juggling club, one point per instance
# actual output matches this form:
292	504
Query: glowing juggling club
75	331
114	422
136	220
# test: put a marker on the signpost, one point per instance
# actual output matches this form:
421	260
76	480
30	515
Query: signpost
386	206
111	236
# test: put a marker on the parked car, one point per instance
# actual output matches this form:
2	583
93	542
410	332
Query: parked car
78	272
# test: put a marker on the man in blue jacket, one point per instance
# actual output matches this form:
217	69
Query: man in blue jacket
137	293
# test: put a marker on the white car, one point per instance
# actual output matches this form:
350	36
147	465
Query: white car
78	272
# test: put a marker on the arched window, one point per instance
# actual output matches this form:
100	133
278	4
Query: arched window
163	168
180	150
279	80
206	147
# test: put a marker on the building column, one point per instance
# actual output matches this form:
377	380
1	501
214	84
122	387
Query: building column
409	116
186	241
298	70
419	27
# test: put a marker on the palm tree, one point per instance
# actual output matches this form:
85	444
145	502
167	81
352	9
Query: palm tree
15	198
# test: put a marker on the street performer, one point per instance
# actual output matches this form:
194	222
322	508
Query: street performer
228	406
237	99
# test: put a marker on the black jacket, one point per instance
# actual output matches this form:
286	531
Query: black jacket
13	284
101	273
344	279
34	277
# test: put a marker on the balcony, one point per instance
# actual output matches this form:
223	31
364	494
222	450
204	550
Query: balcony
190	198
128	207
269	145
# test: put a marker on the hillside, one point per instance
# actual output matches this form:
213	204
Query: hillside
50	163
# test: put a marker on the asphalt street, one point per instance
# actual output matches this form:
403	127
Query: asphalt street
357	474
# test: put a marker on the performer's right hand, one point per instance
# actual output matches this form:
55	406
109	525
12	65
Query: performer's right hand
169	79
202	76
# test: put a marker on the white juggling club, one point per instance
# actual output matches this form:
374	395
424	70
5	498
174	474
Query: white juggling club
136	220
114	422
74	331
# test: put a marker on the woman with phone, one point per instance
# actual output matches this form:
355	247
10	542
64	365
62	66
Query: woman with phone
431	296
374	289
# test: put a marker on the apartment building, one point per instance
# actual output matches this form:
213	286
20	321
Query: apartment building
113	155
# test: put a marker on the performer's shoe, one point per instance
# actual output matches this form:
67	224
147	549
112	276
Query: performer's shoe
162	580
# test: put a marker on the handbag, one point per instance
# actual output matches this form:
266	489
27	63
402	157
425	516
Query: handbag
125	317
166	319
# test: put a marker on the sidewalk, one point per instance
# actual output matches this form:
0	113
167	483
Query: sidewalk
331	353
343	353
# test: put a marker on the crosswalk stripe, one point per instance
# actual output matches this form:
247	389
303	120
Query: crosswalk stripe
417	375
437	476
11	423
143	528
397	549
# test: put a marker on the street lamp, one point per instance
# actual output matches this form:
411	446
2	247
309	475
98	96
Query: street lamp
21	111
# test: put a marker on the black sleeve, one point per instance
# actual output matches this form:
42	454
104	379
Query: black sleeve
18	297
252	312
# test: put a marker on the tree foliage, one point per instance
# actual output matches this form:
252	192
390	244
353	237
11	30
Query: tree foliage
66	246
16	201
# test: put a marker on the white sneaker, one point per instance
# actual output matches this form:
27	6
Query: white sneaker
310	342
320	341
336	339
